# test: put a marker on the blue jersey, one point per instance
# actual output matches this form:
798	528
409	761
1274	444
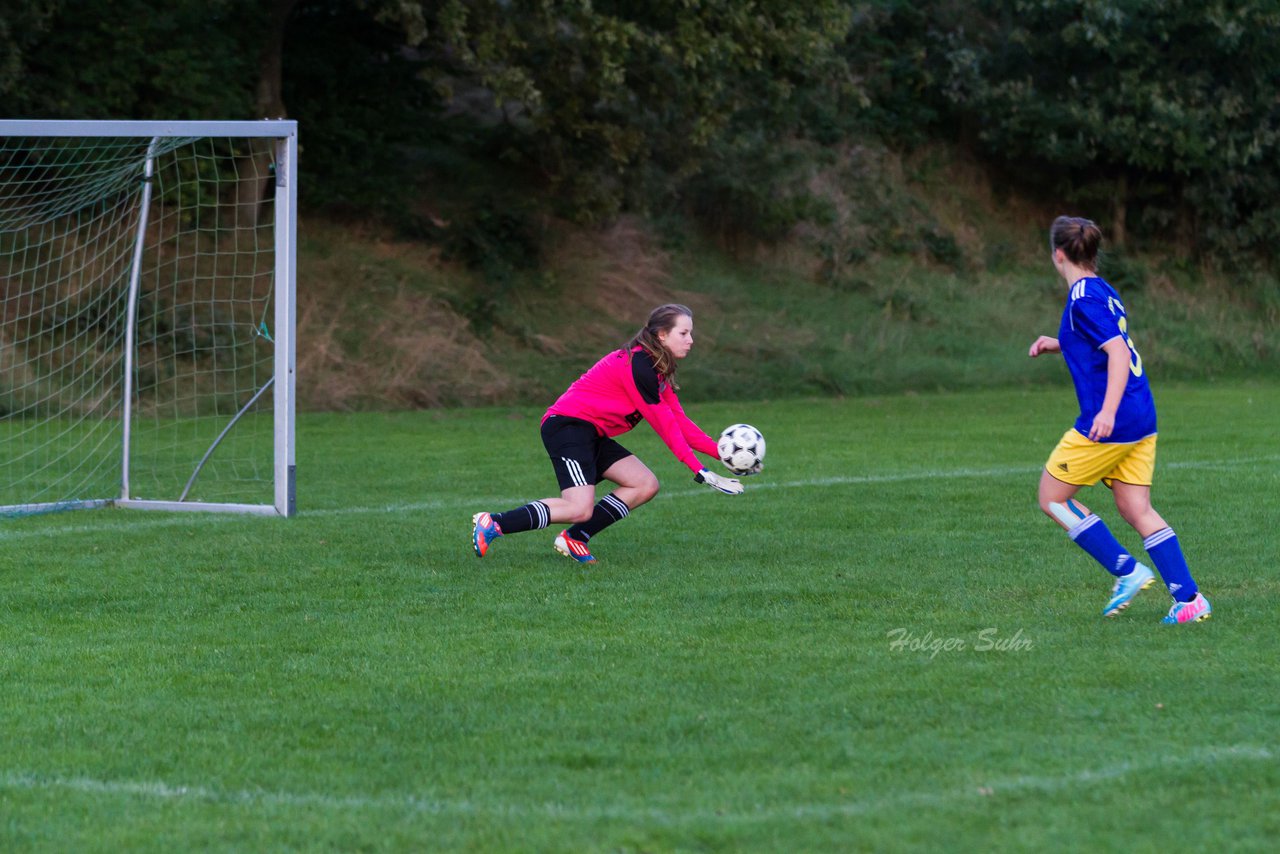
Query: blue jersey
1094	315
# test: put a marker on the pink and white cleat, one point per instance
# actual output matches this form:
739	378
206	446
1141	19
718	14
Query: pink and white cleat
1195	611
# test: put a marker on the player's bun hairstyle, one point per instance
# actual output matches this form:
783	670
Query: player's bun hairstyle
1078	238
661	319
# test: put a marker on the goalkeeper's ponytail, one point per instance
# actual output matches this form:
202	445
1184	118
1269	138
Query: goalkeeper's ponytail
661	319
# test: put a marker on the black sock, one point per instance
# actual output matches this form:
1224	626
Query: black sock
531	517
608	510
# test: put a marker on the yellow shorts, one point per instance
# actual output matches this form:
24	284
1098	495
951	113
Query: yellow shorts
1078	461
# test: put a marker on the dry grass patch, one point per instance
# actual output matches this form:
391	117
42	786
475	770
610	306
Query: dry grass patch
376	330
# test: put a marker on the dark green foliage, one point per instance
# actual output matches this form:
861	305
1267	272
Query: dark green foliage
1158	118
1161	116
132	59
892	57
1122	270
942	247
504	243
497	239
369	124
756	188
620	105
22	24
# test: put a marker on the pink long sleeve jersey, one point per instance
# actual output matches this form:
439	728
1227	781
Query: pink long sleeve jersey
622	389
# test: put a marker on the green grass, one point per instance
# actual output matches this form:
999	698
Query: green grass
723	679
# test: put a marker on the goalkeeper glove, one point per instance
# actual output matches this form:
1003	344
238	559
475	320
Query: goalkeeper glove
727	485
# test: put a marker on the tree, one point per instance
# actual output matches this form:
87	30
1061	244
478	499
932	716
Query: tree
22	23
1168	108
184	59
609	99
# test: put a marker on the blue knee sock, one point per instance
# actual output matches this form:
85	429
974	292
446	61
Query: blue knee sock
1166	554
1093	535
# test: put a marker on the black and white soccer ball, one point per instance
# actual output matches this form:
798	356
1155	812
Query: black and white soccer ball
741	448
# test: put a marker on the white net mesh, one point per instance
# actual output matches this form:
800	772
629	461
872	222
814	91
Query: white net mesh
70	213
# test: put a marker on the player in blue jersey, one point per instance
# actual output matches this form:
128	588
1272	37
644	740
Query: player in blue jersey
1114	438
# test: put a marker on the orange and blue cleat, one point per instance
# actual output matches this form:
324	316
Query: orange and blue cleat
483	532
575	549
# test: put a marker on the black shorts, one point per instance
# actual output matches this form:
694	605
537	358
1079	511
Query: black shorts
579	454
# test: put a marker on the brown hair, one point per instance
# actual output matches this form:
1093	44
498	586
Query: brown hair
661	319
1078	238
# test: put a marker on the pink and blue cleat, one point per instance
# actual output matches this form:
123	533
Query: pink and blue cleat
1196	610
483	532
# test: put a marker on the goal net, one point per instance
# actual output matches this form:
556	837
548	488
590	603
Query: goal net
147	315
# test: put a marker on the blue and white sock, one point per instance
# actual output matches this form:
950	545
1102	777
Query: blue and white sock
1166	554
1093	535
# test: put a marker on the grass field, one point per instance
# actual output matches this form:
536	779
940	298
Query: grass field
881	645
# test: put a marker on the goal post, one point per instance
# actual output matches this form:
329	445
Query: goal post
147	315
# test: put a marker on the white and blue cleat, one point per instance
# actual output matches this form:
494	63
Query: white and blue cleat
1127	587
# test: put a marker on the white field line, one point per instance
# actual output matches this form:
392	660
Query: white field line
428	805
145	519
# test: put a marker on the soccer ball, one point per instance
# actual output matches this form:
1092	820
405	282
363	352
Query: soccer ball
741	449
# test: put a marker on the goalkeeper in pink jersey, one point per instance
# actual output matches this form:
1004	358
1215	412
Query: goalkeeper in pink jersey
634	384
